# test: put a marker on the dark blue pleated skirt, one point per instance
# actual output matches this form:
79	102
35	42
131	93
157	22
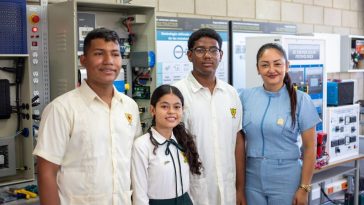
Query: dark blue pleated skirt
184	199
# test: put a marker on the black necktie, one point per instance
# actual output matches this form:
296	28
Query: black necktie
168	152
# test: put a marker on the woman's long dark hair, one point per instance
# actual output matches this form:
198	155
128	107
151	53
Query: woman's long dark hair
184	138
287	79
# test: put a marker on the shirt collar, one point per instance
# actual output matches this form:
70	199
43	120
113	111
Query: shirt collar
196	86
275	94
90	95
117	95
160	139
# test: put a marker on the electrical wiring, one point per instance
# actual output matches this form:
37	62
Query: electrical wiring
337	202
139	75
127	22
8	69
18	70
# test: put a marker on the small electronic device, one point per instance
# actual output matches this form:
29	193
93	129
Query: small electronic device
145	59
141	92
321	144
340	93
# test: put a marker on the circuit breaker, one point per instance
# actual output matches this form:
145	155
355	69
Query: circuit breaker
343	132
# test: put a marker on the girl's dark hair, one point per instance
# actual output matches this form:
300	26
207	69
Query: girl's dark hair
184	138
287	79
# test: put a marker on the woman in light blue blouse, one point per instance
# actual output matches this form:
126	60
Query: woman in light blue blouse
275	116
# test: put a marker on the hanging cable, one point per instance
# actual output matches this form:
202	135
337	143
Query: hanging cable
19	72
127	22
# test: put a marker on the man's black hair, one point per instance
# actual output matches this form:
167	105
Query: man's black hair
204	32
103	33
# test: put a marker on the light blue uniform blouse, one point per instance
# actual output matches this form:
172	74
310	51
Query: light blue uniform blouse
267	122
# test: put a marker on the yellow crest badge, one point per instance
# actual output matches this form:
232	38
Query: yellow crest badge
185	160
280	121
129	117
233	112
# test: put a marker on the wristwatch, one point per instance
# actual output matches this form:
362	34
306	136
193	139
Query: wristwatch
305	187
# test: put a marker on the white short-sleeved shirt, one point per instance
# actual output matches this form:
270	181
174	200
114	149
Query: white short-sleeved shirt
214	119
92	143
153	175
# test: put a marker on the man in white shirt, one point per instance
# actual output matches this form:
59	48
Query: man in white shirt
86	135
213	114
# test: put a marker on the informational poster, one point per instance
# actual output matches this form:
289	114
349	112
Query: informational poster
240	31
172	39
307	55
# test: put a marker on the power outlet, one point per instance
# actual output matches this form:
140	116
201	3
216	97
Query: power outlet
336	186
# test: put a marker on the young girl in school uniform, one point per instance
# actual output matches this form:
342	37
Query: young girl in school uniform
163	158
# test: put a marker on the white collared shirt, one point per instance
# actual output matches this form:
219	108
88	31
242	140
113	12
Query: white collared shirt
214	119
153	175
92	144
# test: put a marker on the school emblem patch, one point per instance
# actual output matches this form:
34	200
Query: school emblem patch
129	117
185	160
233	112
280	121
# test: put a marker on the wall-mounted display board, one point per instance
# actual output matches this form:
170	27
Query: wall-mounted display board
172	39
239	30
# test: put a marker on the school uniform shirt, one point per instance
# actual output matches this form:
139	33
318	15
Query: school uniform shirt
214	120
92	143
153	175
267	122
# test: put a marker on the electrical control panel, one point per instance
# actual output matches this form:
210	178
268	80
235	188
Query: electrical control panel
66	36
343	132
37	38
16	136
135	26
309	79
352	53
